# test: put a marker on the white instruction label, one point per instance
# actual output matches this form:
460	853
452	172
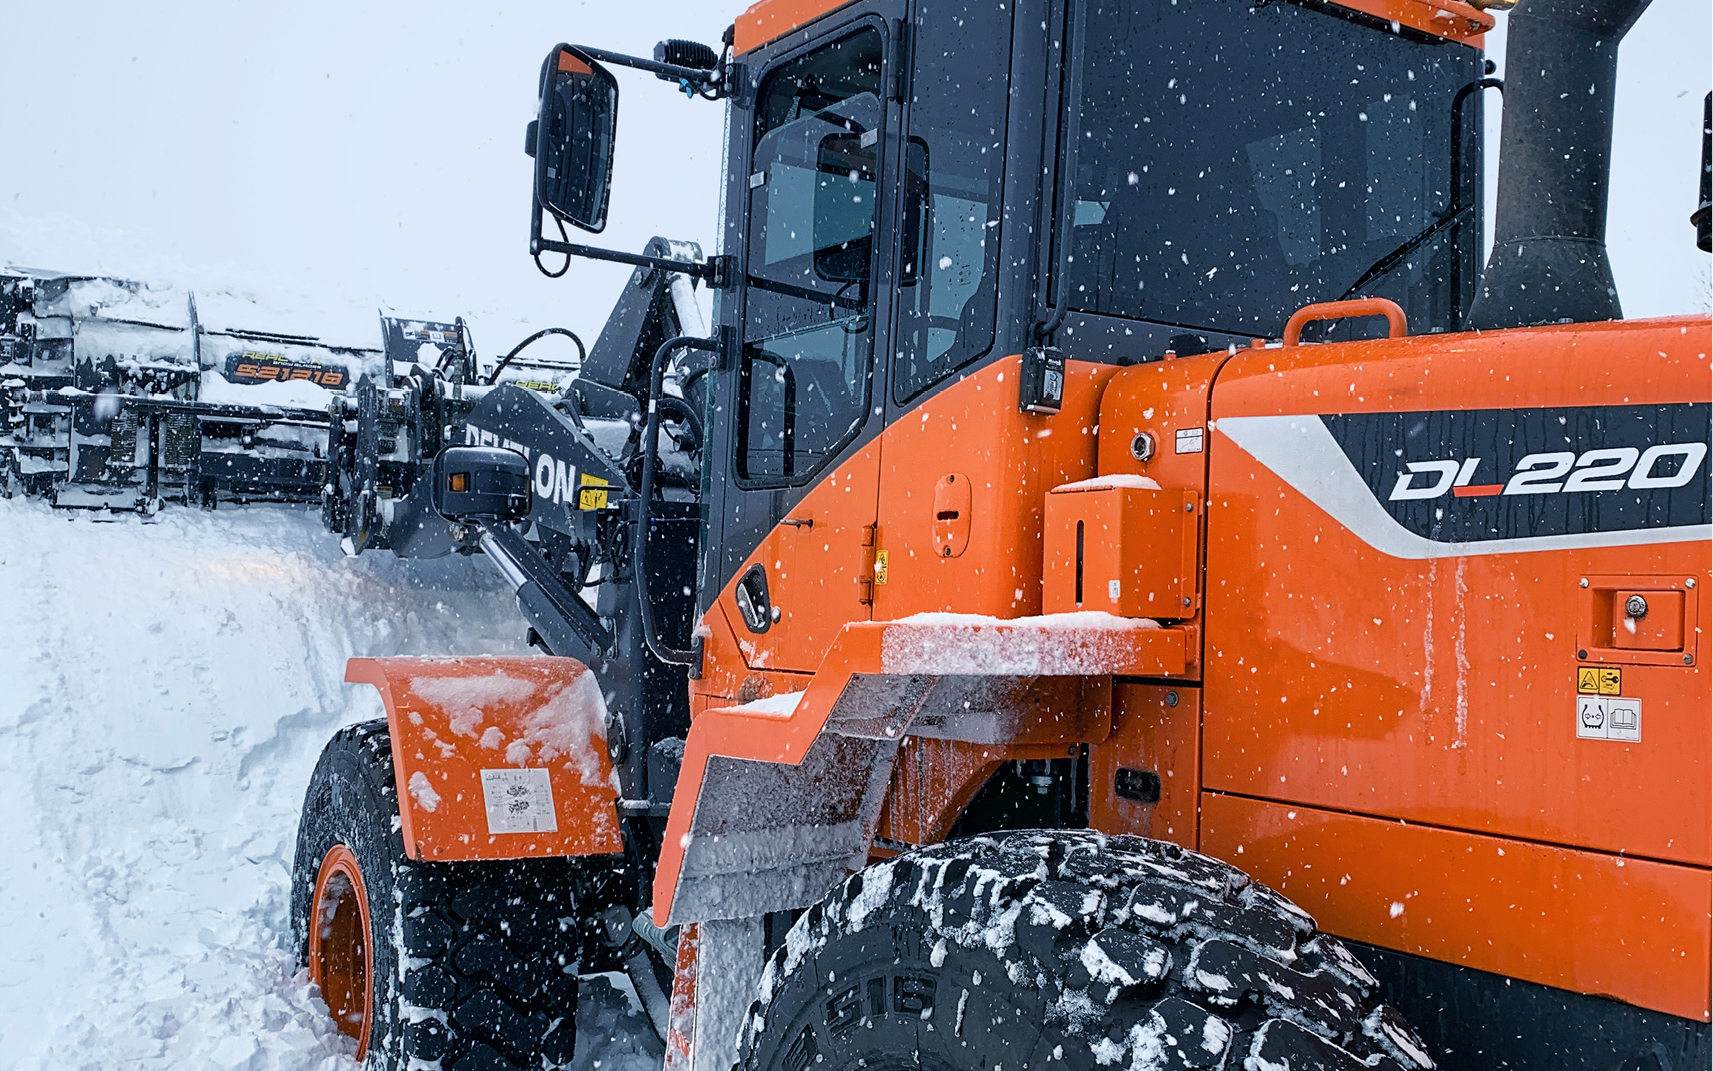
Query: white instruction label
1112	590
1188	440
1609	718
519	801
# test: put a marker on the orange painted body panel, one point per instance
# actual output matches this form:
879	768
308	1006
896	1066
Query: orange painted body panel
1447	695
452	720
724	671
820	568
1443	18
1013	460
1438	683
771	19
1155	728
818	564
1633	929
1166	401
1128	551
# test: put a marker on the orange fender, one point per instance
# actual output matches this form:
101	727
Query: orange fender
778	799
497	758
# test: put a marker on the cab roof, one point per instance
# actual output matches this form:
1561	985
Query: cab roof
769	20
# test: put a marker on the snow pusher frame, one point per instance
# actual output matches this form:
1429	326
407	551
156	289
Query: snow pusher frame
1409	626
114	401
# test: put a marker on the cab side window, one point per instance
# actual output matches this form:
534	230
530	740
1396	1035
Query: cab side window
808	333
954	169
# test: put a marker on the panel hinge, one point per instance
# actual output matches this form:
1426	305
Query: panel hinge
719	271
901	59
873	564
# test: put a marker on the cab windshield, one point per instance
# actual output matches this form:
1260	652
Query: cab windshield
1238	162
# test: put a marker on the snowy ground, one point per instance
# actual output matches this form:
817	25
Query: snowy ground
165	687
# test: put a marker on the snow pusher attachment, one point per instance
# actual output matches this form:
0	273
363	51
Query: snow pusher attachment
497	758
791	787
118	394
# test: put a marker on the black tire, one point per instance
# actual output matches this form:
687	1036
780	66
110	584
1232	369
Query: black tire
1066	949
489	948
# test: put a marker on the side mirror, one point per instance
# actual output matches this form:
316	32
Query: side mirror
480	481
572	138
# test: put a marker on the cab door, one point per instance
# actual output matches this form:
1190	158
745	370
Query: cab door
792	495
961	483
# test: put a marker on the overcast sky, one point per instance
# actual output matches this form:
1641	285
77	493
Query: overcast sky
331	157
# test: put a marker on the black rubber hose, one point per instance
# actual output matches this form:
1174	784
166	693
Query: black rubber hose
684	413
582	351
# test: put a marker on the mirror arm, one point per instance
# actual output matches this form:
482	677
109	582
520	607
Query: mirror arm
695	76
714	271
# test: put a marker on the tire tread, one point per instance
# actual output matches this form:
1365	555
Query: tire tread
490	948
1133	943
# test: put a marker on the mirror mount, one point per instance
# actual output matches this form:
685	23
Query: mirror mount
708	82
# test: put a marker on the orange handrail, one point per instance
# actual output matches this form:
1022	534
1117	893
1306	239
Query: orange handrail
1396	325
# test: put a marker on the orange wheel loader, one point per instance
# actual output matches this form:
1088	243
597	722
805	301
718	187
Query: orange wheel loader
1120	583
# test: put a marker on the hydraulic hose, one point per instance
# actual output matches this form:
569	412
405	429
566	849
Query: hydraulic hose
582	353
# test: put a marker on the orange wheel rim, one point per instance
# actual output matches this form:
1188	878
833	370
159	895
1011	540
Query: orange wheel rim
340	960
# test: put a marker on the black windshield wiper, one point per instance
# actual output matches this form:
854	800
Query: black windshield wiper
1391	260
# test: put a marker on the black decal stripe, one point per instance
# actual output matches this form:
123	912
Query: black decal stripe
1380	445
1302	451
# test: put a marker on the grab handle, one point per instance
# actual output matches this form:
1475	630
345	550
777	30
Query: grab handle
1396	325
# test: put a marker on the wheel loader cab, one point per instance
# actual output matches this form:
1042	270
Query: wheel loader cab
1222	166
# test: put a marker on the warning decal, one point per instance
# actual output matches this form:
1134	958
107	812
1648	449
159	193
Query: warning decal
1600	718
519	801
1599	680
593	492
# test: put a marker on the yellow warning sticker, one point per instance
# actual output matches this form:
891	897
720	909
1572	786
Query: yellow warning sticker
593	494
1599	680
880	567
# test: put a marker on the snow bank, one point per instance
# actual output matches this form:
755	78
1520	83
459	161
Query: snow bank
165	688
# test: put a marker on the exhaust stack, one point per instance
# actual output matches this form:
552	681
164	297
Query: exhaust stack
1549	261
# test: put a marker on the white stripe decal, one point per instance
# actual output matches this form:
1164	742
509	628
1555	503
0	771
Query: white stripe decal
1302	452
